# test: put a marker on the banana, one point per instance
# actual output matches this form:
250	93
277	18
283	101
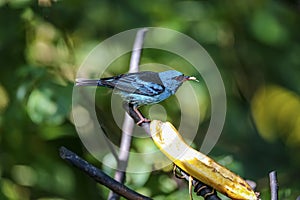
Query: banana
198	165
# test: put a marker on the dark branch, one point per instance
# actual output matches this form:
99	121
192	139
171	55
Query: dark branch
100	176
201	189
273	185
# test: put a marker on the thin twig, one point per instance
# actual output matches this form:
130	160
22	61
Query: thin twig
128	123
273	185
137	50
100	176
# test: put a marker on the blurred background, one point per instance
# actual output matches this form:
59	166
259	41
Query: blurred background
255	44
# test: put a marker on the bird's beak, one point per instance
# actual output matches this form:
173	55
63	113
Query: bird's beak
191	78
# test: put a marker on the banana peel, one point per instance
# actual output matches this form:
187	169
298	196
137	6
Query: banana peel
198	165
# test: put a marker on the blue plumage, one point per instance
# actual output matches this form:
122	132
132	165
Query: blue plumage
141	88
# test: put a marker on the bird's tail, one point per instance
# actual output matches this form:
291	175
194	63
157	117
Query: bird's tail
87	82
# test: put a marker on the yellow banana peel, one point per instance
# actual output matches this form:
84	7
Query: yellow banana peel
198	165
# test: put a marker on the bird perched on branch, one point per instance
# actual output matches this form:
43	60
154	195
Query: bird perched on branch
141	88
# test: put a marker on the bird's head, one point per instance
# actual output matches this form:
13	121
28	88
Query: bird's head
173	79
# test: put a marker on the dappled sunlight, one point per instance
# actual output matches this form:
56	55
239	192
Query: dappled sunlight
48	47
4	100
276	112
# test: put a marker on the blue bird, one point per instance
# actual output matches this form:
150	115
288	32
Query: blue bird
141	88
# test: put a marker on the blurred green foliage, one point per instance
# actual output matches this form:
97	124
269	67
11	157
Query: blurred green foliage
255	44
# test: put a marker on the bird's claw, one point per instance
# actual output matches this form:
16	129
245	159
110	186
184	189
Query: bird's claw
143	120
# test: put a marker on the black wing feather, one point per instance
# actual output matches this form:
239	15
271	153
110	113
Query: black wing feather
144	83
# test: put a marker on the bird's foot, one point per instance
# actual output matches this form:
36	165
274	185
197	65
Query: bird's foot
143	120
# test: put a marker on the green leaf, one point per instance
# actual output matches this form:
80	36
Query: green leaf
267	28
41	108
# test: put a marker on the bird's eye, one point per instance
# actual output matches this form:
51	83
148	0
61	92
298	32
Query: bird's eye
179	78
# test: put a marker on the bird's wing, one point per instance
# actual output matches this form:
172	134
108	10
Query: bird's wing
147	83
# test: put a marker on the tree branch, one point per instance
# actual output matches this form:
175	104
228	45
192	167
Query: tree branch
273	185
137	50
100	176
128	123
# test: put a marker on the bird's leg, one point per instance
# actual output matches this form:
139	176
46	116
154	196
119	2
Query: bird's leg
133	111
142	118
